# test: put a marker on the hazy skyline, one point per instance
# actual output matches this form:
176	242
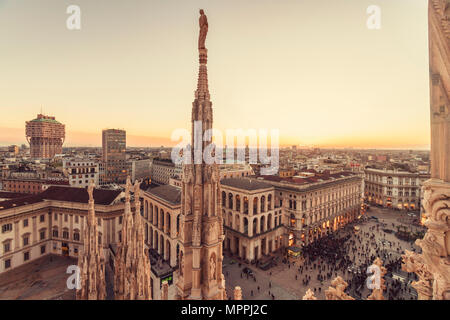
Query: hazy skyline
315	72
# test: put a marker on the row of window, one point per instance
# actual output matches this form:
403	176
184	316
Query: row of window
331	194
25	241
237	200
265	225
76	218
65	234
157	217
7	227
80	176
26	257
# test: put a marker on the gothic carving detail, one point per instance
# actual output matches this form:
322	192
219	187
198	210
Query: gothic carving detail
336	291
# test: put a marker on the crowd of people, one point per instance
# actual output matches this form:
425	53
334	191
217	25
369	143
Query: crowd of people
348	252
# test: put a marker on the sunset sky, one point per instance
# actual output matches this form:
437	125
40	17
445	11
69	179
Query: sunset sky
311	69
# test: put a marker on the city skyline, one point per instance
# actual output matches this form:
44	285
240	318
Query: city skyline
320	86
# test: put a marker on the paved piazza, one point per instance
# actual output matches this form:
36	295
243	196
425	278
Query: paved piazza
42	279
287	280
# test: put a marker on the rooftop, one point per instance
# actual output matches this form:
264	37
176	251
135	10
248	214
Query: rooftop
27	199
43	118
68	194
247	184
319	177
168	193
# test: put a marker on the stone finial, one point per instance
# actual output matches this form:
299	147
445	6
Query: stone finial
128	188
237	293
137	190
336	291
309	295
91	190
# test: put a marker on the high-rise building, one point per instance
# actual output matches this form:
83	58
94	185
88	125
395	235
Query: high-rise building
114	143
45	136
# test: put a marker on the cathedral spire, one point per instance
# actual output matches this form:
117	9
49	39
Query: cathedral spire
200	272
91	261
132	263
202	93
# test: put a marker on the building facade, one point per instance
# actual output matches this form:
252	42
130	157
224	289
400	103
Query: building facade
31	186
316	206
393	188
252	222
53	222
81	172
13	149
45	136
139	169
163	170
114	143
235	171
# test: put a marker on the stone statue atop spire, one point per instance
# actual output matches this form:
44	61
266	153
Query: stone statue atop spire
203	22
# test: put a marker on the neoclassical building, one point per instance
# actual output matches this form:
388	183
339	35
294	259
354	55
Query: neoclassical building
252	222
52	223
162	170
394	188
315	206
162	207
81	172
235	170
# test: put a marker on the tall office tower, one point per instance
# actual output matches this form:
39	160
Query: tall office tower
200	273
114	144
45	136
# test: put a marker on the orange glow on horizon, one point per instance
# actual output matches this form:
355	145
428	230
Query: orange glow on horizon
10	136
